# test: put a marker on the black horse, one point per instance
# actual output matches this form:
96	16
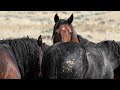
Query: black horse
85	41
112	49
21	58
85	60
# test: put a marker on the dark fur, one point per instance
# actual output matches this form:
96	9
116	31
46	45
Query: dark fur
117	73
92	61
109	47
8	64
112	50
87	62
26	52
54	60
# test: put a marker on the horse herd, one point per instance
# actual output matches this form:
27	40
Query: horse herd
70	56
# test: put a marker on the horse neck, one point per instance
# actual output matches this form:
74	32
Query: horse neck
26	55
74	36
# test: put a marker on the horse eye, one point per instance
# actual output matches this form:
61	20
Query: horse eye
70	32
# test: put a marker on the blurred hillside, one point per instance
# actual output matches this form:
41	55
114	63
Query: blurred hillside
93	25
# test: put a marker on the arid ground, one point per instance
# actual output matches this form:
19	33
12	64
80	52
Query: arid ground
92	25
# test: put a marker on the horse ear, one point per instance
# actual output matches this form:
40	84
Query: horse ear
39	40
70	19
56	18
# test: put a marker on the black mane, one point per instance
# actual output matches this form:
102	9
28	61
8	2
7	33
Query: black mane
25	51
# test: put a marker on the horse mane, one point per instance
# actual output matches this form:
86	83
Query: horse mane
25	51
112	46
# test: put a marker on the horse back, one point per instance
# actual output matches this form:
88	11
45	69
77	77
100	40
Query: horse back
64	61
98	64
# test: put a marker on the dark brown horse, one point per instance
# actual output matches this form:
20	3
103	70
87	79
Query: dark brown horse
8	66
64	31
21	58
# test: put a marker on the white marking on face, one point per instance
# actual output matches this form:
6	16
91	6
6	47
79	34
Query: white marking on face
63	28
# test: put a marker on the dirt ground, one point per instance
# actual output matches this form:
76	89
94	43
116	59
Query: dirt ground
93	25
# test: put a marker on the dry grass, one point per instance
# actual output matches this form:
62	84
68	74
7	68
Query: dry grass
93	25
